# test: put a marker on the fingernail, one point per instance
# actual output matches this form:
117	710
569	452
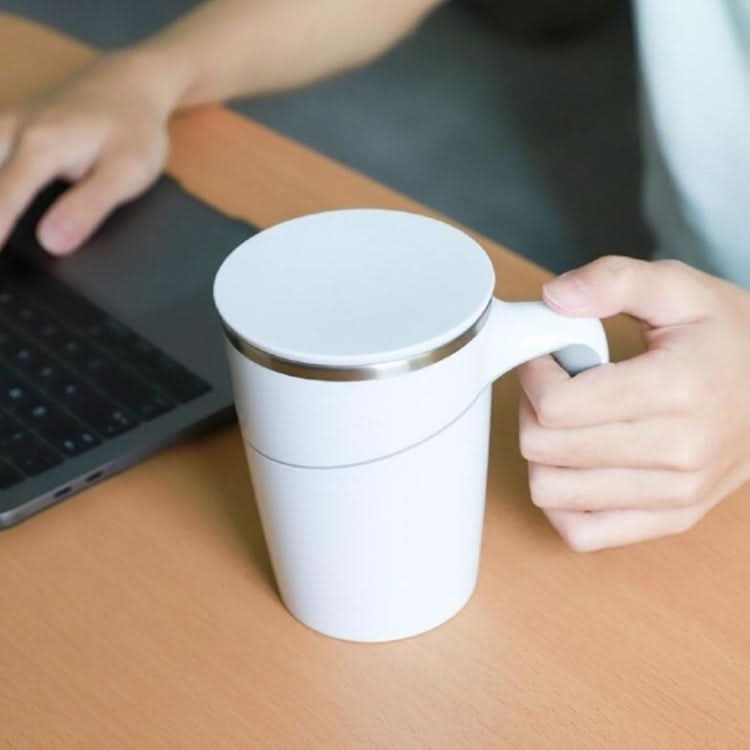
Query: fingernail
568	292
57	236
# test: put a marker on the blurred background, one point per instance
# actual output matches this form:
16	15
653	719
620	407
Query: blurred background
516	117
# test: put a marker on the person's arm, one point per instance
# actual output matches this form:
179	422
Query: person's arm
231	48
106	129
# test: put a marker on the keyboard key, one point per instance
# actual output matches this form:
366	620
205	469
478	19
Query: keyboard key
10	343
127	389
73	443
26	452
7	296
67	435
15	392
32	409
20	352
48	332
34	322
68	389
152	365
69	347
9	475
77	311
8	426
26	357
105	418
19	396
48	373
181	384
24	315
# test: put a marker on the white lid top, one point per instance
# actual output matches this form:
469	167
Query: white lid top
354	287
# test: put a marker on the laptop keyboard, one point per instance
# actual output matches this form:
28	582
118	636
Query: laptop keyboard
71	376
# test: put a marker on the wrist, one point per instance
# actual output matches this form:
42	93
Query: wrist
157	74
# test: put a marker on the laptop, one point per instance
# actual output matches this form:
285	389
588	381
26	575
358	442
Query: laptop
113	353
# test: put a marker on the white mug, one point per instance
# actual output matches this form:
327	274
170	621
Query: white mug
362	346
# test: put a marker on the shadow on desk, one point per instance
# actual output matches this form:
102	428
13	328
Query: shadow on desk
218	465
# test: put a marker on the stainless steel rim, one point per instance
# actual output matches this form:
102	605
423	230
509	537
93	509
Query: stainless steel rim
375	371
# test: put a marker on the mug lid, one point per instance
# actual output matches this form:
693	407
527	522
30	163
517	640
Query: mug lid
353	288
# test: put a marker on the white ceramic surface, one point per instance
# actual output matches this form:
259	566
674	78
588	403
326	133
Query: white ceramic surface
384	549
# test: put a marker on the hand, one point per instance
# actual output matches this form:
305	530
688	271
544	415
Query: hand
645	447
106	129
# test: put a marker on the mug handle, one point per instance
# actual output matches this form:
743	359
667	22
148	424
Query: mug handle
516	332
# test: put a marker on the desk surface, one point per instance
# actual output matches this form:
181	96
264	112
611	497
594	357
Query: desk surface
143	614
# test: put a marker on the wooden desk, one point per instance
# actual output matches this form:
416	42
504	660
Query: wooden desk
142	613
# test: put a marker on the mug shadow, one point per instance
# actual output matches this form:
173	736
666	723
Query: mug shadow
220	464
507	475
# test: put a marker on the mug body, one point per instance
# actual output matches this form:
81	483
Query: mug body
383	549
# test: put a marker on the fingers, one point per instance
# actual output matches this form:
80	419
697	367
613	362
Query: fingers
587	532
665	293
556	488
646	444
628	390
74	216
8	127
31	164
543	380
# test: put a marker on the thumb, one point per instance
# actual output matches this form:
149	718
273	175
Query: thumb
661	293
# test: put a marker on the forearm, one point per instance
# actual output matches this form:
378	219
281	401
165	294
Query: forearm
232	48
